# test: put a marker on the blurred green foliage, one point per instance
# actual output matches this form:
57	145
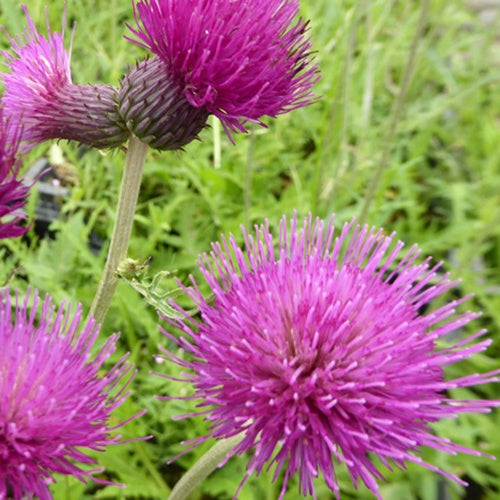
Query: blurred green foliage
441	190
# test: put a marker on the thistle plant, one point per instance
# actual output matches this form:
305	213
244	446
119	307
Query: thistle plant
54	401
315	351
239	61
164	102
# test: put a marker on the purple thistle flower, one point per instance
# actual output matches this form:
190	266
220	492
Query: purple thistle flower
40	92
316	350
54	398
239	60
13	193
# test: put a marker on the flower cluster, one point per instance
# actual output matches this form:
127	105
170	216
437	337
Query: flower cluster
54	399
316	350
13	193
237	60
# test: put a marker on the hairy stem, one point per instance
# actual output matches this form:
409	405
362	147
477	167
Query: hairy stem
127	201
204	467
396	112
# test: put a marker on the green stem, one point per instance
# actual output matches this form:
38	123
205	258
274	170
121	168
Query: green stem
217	142
127	201
342	158
324	191
369	73
396	113
248	178
204	467
140	448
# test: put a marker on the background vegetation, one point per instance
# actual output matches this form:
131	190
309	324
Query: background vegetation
441	190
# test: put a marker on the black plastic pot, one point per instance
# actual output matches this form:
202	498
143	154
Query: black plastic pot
51	193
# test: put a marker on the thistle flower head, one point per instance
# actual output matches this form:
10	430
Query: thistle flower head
54	399
316	350
42	65
239	60
13	193
39	91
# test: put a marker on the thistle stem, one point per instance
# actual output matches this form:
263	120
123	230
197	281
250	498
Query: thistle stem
127	201
204	467
396	113
248	179
217	142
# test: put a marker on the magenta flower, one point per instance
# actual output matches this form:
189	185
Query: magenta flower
39	90
55	399
13	193
315	348
239	60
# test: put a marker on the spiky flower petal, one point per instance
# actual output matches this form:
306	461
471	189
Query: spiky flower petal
13	192
40	92
316	349
55	398
239	60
